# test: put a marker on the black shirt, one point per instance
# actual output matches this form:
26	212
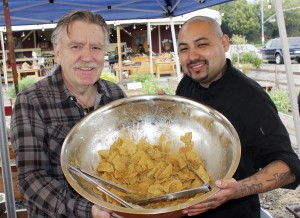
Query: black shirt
262	134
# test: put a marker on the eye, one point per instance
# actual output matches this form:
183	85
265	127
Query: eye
202	44
75	47
183	49
97	48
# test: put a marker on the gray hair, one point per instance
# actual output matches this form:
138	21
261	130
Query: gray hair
81	15
209	20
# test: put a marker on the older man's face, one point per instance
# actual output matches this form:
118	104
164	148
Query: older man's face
80	52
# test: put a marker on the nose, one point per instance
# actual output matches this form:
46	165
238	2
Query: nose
193	54
86	54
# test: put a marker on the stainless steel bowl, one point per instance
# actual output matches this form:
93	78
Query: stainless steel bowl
149	116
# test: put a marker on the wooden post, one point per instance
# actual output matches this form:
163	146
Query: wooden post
276	77
10	43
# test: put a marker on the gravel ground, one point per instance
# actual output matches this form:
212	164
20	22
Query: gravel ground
276	201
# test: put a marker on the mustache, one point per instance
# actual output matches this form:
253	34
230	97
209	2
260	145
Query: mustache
85	65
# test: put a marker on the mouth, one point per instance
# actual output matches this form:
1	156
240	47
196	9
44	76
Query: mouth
199	66
85	68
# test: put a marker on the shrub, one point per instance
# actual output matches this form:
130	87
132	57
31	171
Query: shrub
247	57
23	83
108	76
140	77
152	87
281	100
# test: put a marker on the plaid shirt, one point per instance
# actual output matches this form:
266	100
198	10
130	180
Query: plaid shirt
42	117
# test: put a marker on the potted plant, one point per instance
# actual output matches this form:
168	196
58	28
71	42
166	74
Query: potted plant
23	83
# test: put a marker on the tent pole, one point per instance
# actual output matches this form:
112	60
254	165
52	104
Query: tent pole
175	49
6	169
288	68
150	47
4	60
159	39
120	75
34	38
5	162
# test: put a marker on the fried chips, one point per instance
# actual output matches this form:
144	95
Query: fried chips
151	170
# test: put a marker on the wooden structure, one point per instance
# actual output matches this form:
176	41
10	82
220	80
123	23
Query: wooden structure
143	67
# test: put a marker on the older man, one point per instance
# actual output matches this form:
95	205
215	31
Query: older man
45	113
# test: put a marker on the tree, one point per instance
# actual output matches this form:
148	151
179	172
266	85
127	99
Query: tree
244	18
240	18
291	12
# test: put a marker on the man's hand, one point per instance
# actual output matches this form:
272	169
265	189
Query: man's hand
161	92
97	212
229	189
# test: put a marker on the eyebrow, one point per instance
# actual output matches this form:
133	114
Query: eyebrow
196	40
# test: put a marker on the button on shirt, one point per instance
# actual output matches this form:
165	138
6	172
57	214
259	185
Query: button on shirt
42	117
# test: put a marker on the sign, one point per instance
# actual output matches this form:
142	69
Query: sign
134	85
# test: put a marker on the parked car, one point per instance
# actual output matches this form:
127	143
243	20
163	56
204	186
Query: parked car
272	51
242	48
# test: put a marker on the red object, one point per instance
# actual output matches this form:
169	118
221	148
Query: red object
7	110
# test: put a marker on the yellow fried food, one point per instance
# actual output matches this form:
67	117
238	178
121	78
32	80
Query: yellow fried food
151	170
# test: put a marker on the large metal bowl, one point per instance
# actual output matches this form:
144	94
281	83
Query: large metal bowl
149	116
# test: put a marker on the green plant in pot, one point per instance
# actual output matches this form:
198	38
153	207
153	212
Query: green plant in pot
23	83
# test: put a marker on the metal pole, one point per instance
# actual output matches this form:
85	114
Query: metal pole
262	24
159	39
4	60
6	169
120	61
5	161
150	47
288	68
175	49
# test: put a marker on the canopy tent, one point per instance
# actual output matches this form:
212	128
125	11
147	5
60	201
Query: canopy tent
31	12
50	11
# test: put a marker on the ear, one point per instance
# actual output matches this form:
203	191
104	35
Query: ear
225	42
56	54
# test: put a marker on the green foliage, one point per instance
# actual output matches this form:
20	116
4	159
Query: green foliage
292	17
150	85
238	39
243	17
240	18
246	58
281	100
23	83
140	77
108	76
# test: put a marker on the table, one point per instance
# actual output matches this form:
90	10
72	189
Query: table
130	69
165	68
22	72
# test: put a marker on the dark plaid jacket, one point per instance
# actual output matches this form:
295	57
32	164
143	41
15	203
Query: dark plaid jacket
42	117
